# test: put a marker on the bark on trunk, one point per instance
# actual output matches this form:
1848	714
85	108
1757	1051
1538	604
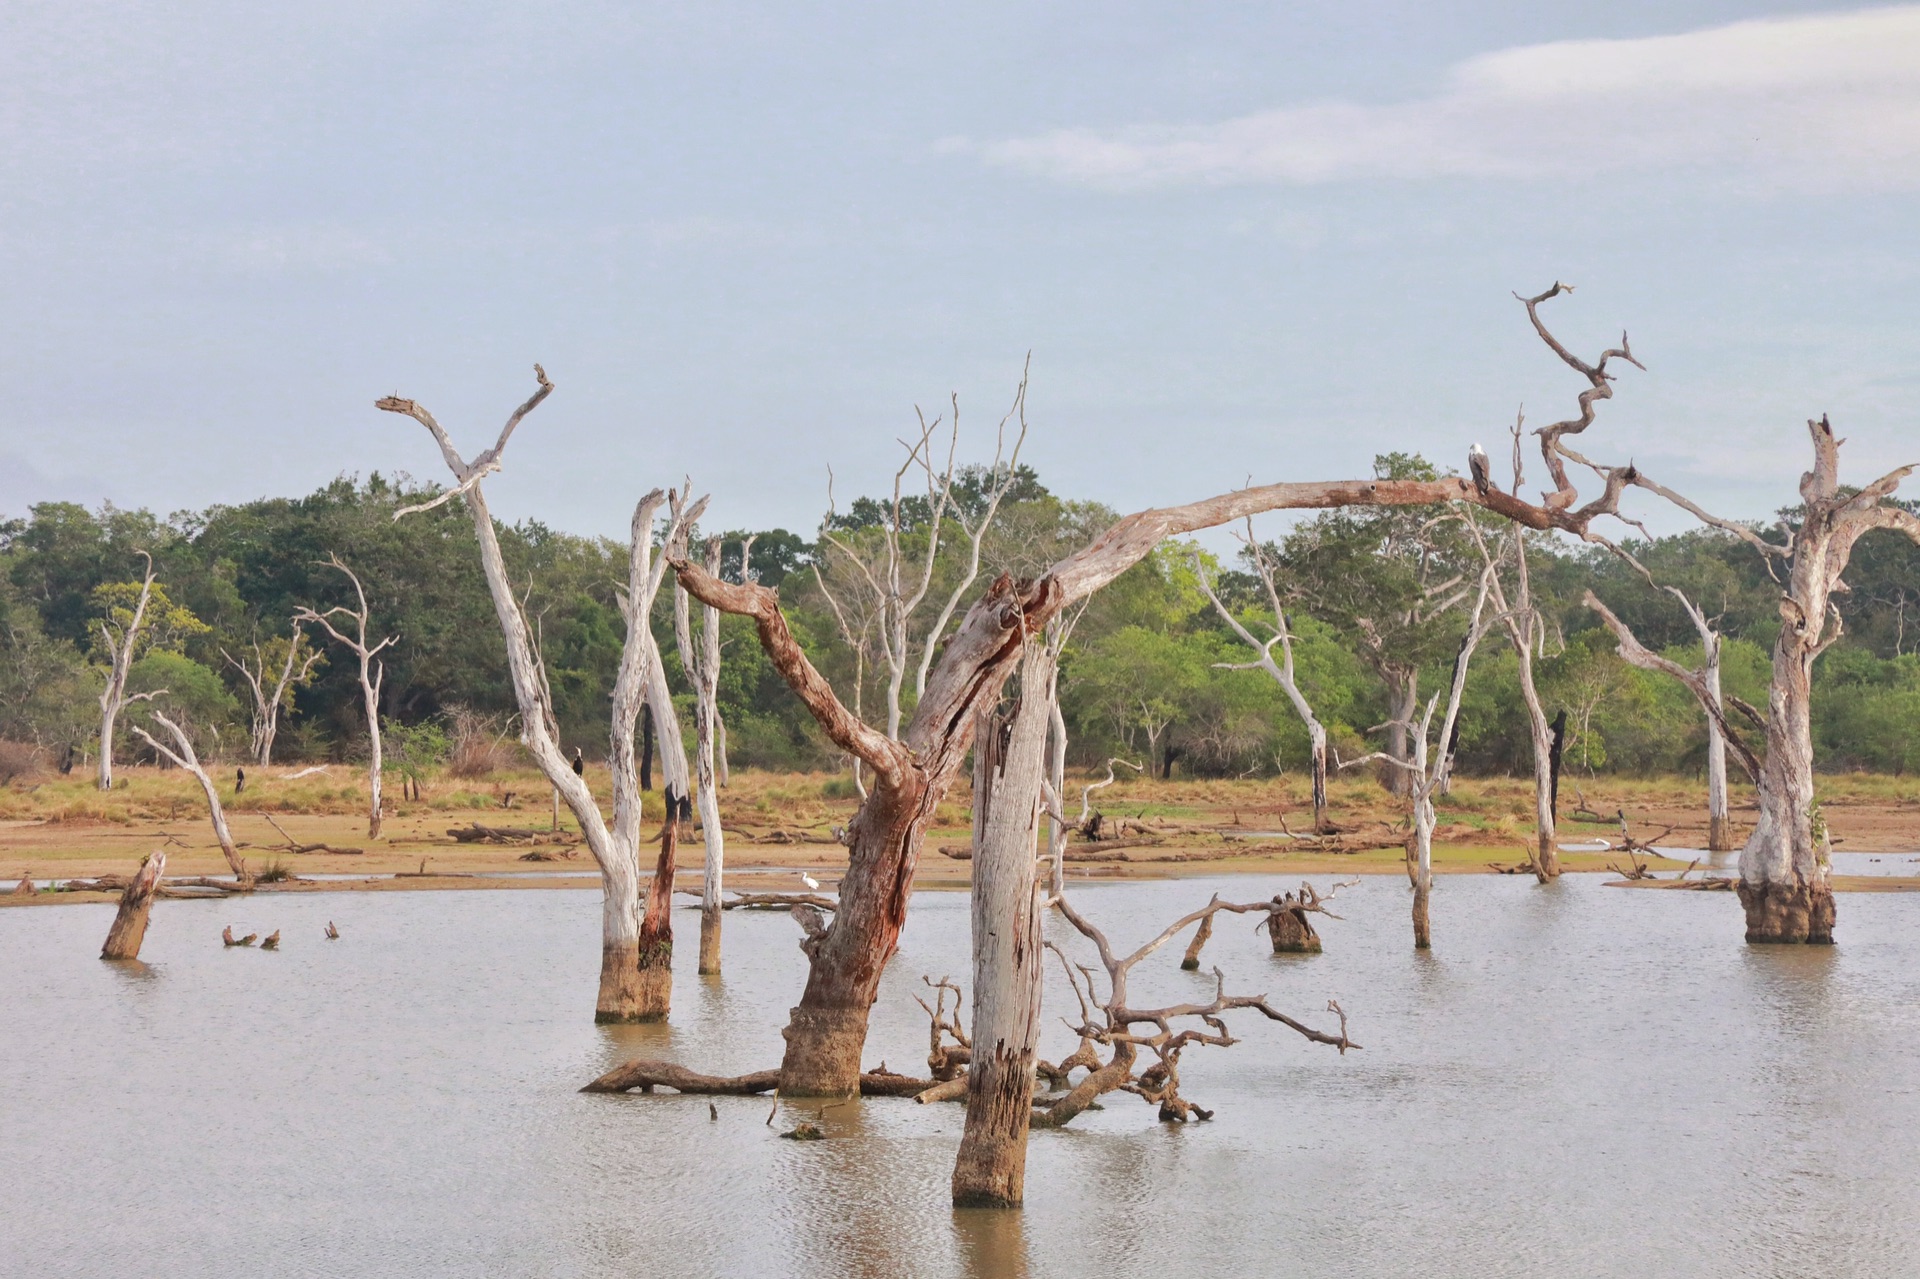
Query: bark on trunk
1009	769
1420	871
1318	736
702	665
1719	828
653	992
1405	688
1292	934
136	904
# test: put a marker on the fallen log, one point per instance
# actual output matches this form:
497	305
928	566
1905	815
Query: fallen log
481	834
647	1075
136	904
293	847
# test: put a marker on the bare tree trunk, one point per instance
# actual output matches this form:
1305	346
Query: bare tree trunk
267	702
120	648
828	1027
1420	872
372	675
1405	688
636	976
136	904
1291	933
1009	770
1719	828
1317	739
183	756
702	666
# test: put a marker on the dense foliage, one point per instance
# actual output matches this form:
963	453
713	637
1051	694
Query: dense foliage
1147	673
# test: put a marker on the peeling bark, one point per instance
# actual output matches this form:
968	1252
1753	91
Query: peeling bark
1008	954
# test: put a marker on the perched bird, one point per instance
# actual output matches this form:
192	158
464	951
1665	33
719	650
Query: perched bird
812	884
713	1111
333	934
239	780
579	764
1482	471
272	942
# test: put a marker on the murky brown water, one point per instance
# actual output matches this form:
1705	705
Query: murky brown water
1579	1081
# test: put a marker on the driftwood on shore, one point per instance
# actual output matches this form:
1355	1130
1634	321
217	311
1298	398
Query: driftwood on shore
293	846
481	834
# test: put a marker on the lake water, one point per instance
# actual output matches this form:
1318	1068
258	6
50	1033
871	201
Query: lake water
1578	1081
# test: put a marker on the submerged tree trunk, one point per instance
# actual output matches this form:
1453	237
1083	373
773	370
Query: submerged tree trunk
136	904
1009	769
702	665
1291	933
636	949
1420	871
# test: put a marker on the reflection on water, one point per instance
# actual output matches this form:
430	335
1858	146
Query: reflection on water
1577	1080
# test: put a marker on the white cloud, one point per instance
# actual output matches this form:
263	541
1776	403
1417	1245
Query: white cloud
1826	99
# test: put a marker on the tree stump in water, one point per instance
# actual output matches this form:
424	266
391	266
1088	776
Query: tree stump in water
136	903
1292	934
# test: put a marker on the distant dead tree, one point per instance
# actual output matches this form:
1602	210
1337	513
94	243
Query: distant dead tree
182	755
373	673
1429	765
1281	671
890	577
702	665
636	975
119	638
1703	682
271	693
1527	632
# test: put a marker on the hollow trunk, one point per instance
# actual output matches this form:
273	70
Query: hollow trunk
646	748
136	904
1420	872
1291	933
1009	769
654	979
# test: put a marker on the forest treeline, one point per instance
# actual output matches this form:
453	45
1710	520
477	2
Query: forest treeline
1370	596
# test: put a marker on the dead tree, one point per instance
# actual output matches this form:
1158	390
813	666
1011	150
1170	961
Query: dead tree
1703	683
702	665
373	673
1527	632
136	904
1009	774
636	977
892	579
1111	1024
1784	885
272	694
119	640
1281	671
1428	767
1286	923
912	773
182	755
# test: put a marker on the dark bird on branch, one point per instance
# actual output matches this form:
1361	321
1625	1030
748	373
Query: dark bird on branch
579	764
1482	472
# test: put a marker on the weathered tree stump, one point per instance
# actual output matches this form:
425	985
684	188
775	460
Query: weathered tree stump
136	903
1291	931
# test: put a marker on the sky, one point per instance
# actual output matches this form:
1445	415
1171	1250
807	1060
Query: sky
1240	242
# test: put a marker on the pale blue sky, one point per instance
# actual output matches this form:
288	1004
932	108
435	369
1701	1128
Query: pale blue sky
1240	240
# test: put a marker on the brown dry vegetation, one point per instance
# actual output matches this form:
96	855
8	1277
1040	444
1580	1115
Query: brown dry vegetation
779	823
